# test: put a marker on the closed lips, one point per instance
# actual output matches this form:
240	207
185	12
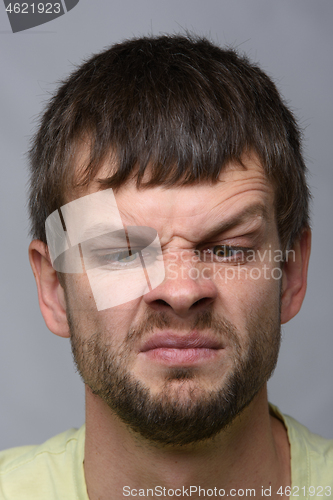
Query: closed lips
172	341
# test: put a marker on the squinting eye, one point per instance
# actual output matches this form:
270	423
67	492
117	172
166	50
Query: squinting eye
225	252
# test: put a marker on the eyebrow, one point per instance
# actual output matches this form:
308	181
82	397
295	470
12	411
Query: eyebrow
240	218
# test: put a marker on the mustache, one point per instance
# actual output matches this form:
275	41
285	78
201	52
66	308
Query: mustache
206	320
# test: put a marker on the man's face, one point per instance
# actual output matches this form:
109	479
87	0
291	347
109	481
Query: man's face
179	363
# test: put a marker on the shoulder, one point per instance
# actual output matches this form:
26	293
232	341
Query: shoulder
311	456
51	470
315	445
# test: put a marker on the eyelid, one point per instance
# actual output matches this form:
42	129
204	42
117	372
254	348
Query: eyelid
107	251
129	259
244	240
253	229
253	225
240	256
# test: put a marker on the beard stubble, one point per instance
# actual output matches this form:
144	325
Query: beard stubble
169	418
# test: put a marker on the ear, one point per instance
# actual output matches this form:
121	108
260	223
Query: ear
294	279
51	295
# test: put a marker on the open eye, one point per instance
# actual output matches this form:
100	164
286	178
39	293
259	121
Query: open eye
122	257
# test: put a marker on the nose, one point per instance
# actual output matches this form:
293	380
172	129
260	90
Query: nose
187	288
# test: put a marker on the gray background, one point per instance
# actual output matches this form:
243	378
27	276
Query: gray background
40	394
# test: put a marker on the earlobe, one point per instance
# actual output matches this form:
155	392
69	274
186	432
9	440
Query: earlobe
294	279
50	292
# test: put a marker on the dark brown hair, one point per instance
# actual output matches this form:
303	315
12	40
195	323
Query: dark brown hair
181	106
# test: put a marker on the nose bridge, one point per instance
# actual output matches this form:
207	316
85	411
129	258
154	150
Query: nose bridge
183	262
186	283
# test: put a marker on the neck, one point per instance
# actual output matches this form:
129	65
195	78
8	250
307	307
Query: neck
253	452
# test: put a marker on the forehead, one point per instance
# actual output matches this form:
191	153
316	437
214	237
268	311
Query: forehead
191	210
237	187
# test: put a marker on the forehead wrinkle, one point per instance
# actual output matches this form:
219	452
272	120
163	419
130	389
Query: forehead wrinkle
131	219
241	186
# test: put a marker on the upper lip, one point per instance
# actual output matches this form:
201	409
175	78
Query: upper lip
171	340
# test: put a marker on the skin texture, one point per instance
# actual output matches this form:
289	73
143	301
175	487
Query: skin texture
250	448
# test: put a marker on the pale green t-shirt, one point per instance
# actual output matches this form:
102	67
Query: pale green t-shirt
54	470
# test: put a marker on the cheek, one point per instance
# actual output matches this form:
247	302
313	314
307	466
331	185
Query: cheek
79	296
117	321
251	293
114	322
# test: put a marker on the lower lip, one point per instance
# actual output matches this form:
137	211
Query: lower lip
181	356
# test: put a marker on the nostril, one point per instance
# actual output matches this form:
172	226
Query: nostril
201	302
161	302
